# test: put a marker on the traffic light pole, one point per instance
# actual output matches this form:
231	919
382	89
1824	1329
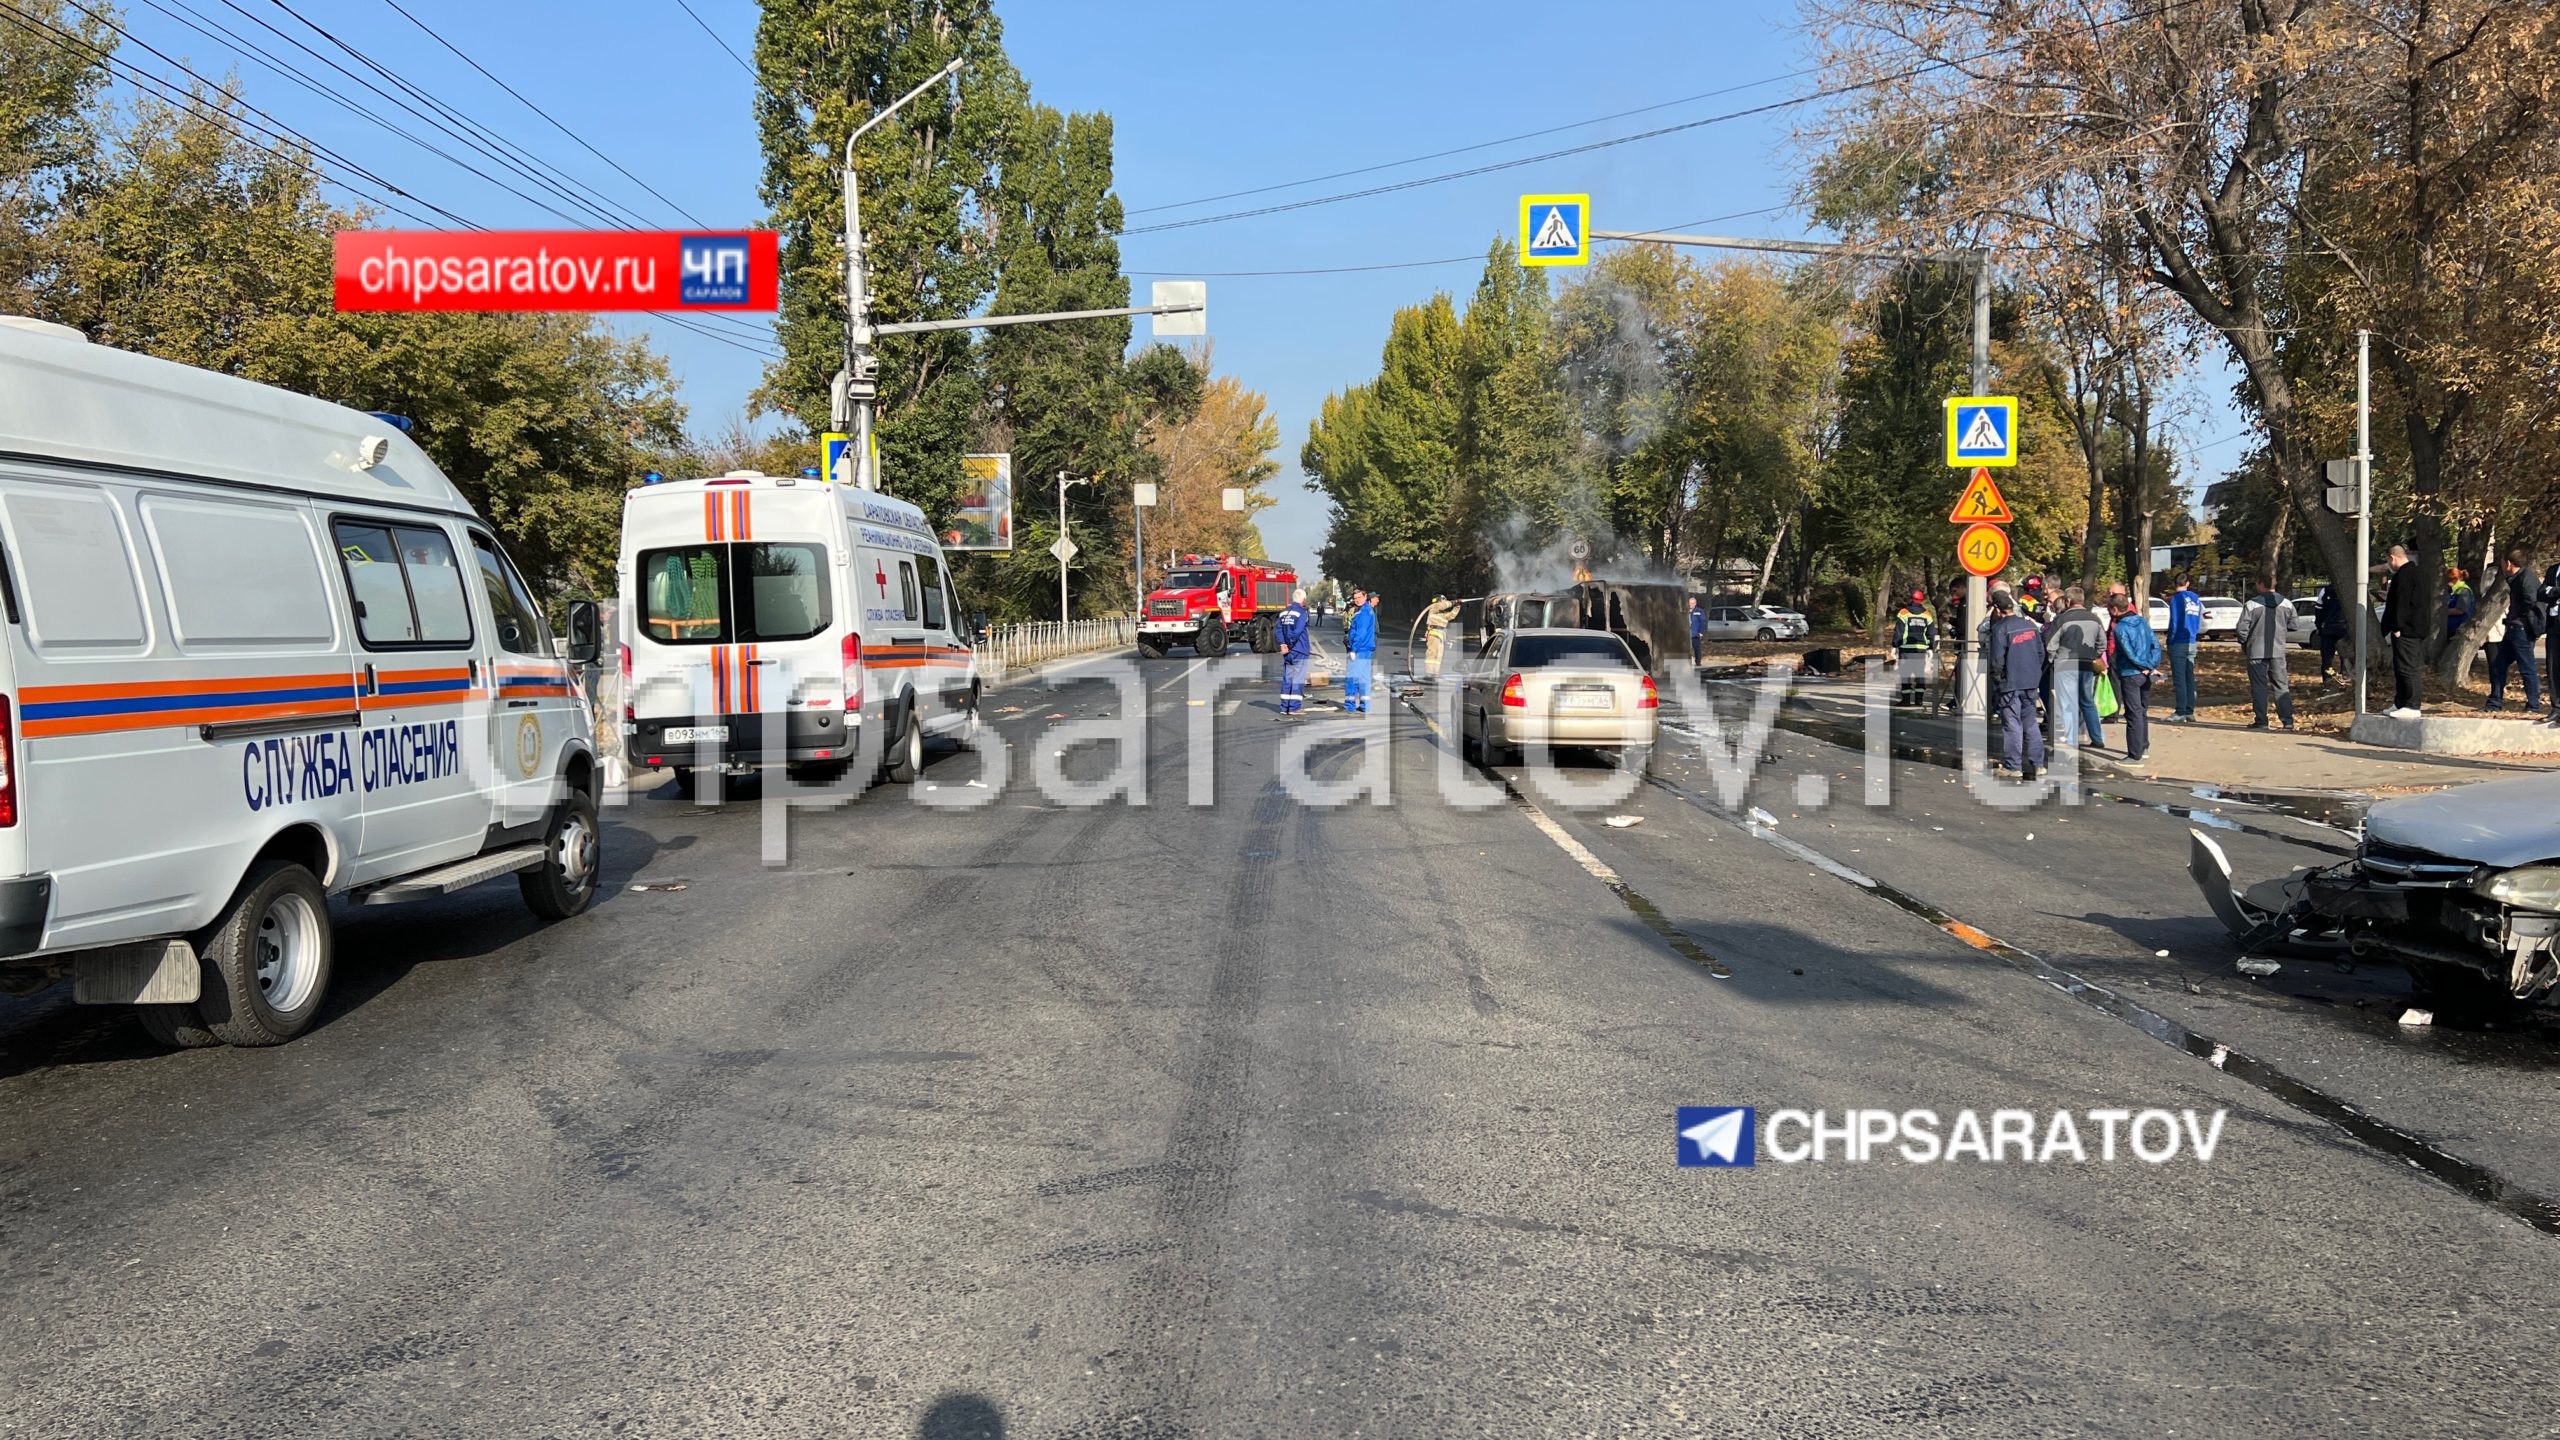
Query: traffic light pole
1969	693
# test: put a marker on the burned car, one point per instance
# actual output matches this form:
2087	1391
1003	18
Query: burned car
2461	887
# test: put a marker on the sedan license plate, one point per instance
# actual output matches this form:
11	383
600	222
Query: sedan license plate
1586	700
695	734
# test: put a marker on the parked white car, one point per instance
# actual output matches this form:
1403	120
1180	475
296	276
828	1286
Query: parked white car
2221	616
1753	622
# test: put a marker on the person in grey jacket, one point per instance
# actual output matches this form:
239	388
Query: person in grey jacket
2266	628
2075	641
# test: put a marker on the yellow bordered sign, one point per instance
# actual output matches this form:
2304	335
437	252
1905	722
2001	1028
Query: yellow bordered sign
1982	430
1555	229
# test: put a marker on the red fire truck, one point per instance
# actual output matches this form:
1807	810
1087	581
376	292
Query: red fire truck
1212	601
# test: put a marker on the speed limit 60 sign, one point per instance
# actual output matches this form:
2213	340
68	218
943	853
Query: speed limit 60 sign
1983	550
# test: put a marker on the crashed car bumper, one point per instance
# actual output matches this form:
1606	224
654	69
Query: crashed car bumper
2425	914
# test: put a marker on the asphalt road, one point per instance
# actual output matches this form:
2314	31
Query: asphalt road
1264	1119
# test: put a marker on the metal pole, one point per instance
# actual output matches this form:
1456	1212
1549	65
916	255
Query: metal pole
1977	591
1062	547
855	395
2364	509
1138	516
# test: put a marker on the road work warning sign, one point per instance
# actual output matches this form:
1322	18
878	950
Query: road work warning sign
1981	503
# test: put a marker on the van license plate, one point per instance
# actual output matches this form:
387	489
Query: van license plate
695	734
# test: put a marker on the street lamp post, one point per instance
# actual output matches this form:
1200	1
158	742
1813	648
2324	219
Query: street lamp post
1065	549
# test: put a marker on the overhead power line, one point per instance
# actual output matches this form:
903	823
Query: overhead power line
316	159
1476	258
715	38
545	114
1481	144
1832	92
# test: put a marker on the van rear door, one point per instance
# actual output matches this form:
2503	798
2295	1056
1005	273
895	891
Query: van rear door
738	624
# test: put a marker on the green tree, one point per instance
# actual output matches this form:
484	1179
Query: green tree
48	132
186	239
930	176
1385	454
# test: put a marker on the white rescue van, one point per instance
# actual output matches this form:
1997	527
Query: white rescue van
784	620
258	653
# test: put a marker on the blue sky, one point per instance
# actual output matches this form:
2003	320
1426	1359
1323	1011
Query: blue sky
1206	99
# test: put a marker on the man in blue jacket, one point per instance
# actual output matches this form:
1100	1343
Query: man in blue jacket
2133	658
1361	639
2186	627
1294	646
2014	660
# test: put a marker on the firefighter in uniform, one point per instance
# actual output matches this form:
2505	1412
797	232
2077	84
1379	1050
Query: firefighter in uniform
1915	643
1292	635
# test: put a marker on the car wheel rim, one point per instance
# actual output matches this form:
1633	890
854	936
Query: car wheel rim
288	952
577	853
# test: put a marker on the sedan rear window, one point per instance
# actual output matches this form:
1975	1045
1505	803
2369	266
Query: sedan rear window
1531	651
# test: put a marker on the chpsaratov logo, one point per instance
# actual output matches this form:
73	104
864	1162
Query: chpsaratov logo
714	270
1717	1135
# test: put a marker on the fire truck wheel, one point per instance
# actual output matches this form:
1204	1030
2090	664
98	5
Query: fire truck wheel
1212	640
266	960
1266	637
1150	650
177	1025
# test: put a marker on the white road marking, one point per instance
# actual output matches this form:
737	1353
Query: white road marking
1180	676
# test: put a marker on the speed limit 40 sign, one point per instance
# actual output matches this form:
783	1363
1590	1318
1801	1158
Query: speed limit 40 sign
1983	550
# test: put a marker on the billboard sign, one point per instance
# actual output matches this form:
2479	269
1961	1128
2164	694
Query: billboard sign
983	520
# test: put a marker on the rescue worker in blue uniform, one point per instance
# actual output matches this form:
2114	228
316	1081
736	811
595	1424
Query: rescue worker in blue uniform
1360	637
1295	643
2015	664
1915	643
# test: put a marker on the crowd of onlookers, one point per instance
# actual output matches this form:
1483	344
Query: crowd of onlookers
2060	664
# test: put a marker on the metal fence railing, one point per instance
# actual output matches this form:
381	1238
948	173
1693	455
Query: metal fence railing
1011	647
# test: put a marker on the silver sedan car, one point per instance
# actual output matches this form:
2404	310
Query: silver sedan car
1555	687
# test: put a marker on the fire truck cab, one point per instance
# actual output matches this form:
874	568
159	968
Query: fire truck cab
1210	602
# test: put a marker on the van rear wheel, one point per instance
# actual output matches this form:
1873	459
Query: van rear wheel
266	960
572	854
907	760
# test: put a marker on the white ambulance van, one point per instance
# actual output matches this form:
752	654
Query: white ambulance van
258	653
768	619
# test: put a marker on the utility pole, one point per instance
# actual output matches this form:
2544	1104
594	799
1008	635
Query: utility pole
1970	696
1977	591
2364	510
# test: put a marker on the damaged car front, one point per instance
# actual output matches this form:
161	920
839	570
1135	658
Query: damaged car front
2460	887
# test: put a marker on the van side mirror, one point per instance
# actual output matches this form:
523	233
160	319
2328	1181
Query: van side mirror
586	632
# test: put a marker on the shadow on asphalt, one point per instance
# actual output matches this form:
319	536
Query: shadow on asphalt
374	950
961	1417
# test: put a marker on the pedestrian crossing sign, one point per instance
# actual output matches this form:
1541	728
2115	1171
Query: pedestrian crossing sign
1555	229
837	466
1982	430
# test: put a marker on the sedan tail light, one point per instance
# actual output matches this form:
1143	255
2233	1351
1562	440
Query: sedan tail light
1511	693
1652	697
852	673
